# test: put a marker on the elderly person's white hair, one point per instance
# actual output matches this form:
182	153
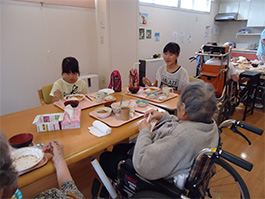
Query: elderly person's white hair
200	101
8	173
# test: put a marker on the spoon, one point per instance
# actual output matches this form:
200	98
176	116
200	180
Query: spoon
121	100
40	145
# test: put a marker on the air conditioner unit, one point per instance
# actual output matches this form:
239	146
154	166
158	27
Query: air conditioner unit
92	82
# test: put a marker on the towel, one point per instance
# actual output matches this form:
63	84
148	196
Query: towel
99	129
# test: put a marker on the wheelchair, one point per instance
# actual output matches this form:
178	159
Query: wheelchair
211	176
225	91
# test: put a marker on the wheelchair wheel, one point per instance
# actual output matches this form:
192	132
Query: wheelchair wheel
226	183
224	111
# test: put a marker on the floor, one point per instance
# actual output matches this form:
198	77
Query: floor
83	173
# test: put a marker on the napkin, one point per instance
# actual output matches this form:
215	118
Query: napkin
70	110
99	129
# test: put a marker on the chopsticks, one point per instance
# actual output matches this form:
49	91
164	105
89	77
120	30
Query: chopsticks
89	98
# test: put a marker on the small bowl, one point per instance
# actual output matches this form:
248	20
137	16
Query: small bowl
162	97
255	65
134	90
73	103
142	103
103	112
151	89
116	106
152	95
109	98
21	140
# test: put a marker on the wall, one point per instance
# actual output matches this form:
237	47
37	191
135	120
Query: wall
34	40
166	21
117	38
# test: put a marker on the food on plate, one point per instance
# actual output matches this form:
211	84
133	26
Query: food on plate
151	89
78	97
27	157
117	108
103	112
25	161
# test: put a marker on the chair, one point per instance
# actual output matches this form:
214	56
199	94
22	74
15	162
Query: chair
194	79
252	90
44	94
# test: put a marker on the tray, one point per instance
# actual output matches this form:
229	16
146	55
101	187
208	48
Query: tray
40	164
113	120
85	103
143	95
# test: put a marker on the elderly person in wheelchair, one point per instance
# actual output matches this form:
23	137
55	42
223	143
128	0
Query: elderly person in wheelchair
169	150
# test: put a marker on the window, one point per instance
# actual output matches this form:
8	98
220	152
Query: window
198	5
171	3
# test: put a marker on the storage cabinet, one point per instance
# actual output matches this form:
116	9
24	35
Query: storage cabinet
256	17
242	8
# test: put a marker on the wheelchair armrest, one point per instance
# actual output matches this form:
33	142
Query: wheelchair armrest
161	184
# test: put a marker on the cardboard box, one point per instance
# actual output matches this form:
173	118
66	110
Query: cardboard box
71	123
48	122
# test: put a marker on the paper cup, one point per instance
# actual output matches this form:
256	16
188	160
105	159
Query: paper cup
125	113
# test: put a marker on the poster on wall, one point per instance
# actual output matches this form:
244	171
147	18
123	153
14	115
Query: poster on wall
148	34
189	37
207	31
143	18
175	37
157	36
182	37
141	33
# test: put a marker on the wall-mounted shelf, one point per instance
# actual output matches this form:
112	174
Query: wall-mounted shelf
248	34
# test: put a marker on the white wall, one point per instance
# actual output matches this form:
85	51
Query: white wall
166	21
117	38
34	40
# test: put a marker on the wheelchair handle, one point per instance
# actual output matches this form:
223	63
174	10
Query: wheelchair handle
236	160
249	127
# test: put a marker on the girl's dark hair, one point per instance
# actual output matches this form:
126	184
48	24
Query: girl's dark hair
70	64
172	48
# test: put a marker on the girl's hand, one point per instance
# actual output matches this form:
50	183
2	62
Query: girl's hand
57	95
146	81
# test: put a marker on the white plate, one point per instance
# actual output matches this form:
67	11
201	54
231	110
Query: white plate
109	98
78	97
107	91
27	157
151	89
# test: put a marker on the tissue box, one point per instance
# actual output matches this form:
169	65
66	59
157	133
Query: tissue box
48	122
71	123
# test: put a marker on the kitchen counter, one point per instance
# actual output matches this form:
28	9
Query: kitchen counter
243	50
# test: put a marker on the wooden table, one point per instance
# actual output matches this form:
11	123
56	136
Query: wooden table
170	105
78	143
